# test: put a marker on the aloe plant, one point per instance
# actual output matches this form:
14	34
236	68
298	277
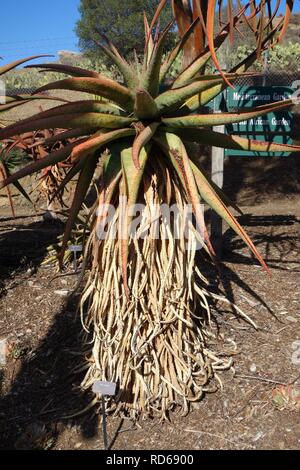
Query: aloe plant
11	160
145	300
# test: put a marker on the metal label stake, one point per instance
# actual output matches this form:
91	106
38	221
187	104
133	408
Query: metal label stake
75	249
104	389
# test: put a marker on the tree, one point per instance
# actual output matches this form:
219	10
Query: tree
121	22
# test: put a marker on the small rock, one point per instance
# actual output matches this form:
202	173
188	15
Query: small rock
258	436
252	368
62	292
78	445
291	319
30	283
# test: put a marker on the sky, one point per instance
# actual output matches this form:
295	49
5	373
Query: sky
31	27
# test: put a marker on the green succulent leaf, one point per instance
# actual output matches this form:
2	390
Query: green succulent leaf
100	86
131	181
234	142
51	159
176	51
99	140
66	135
174	148
150	80
67	121
145	106
211	197
208	120
173	99
69	176
13	65
66	69
141	140
129	74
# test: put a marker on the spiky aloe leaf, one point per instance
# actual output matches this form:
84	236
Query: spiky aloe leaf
183	14
210	86
100	86
65	135
4	175
22	191
192	70
82	187
172	99
132	178
214	201
234	142
287	15
126	70
149	43
112	169
145	106
194	67
151	72
12	105
85	106
11	102
201	99
11	99
176	51
66	69
111	174
225	199
174	148
156	16
13	65
98	140
210	36
141	140
69	176
51	159
68	121
225	118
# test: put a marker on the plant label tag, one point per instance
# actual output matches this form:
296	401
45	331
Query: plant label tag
75	248
104	388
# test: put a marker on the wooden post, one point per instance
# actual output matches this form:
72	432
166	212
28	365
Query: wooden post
217	175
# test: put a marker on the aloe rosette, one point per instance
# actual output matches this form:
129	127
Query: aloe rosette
146	300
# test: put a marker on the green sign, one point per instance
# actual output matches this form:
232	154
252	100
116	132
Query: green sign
250	96
272	127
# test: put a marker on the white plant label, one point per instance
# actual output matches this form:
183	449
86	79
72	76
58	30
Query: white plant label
75	248
104	388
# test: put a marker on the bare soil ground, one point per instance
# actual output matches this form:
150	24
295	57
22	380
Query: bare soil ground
259	406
